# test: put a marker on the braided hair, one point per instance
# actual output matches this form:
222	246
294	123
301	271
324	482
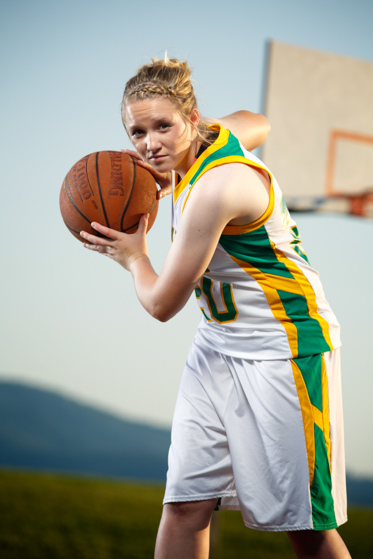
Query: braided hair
168	78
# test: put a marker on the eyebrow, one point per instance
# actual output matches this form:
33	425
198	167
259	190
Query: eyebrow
155	120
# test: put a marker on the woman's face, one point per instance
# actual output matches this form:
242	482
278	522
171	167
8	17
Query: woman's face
160	134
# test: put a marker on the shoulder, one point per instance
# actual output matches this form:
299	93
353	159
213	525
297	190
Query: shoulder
231	177
231	191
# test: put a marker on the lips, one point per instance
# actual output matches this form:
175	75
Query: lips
157	157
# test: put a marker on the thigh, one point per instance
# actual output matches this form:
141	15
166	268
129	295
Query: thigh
199	459
265	430
284	431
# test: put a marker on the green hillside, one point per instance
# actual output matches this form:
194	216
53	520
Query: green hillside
56	517
46	431
43	430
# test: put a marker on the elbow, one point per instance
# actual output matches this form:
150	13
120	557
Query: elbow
265	130
261	137
164	306
162	317
161	313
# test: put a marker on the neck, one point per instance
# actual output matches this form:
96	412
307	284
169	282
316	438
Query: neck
189	159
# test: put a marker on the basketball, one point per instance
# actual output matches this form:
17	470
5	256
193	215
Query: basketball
109	188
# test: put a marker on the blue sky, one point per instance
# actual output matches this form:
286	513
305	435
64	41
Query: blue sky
70	320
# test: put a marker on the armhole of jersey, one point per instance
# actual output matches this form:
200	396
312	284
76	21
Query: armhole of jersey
241	229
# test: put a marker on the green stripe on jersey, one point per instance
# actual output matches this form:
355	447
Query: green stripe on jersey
255	248
296	243
232	147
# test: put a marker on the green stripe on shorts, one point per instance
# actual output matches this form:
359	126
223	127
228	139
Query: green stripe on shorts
323	516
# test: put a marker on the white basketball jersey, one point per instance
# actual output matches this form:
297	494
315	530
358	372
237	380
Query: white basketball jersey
259	297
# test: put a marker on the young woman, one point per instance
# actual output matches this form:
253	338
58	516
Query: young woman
258	424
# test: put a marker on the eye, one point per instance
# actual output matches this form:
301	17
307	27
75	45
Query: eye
164	125
136	133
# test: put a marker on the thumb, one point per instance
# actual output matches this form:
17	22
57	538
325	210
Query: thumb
164	191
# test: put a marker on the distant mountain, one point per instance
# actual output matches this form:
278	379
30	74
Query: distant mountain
359	491
43	430
46	431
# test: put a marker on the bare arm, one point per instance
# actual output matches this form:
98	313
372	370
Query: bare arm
221	196
164	295
250	128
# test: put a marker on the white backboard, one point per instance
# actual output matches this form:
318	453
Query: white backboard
320	107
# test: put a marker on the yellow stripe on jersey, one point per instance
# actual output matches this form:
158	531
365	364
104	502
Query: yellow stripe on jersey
307	290
270	285
284	284
220	142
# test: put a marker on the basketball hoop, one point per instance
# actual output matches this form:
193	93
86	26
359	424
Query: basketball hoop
360	203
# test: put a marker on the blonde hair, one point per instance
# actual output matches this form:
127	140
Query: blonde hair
169	78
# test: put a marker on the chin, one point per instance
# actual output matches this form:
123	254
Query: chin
162	166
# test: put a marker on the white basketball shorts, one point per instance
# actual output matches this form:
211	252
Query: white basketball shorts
264	437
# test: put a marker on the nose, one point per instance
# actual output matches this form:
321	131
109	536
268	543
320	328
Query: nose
152	142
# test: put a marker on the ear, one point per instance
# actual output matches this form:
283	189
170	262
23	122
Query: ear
194	116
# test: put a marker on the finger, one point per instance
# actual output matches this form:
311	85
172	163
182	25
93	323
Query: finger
95	248
94	240
110	233
104	250
139	161
142	163
132	153
160	178
143	224
164	192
